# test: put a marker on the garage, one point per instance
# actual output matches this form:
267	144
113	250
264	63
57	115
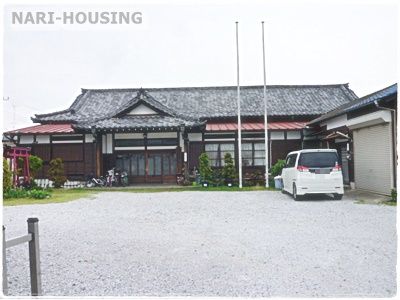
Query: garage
369	124
373	158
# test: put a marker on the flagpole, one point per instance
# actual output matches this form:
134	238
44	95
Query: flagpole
238	105
265	112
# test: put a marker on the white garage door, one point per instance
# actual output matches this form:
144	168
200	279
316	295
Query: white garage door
373	159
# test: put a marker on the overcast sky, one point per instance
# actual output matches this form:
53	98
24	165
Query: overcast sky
194	45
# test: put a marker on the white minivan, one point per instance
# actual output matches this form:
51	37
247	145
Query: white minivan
313	171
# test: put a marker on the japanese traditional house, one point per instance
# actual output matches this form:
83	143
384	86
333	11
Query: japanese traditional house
152	133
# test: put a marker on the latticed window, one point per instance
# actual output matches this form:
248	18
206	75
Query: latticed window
217	151
253	154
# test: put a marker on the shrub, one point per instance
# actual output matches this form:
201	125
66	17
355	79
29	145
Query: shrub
15	193
23	193
393	195
39	194
206	172
228	172
56	172
276	169
217	177
35	164
7	176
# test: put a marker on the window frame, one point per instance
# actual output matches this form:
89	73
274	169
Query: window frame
220	154
253	153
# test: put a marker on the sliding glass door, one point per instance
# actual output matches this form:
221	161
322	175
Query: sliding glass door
150	167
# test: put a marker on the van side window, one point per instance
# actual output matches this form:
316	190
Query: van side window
291	161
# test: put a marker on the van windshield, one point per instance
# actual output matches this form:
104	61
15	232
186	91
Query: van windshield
318	159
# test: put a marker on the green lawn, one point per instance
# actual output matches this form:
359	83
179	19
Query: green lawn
65	195
57	196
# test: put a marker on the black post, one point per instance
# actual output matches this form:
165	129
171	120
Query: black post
34	257
5	281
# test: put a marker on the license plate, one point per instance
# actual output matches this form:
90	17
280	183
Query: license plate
322	171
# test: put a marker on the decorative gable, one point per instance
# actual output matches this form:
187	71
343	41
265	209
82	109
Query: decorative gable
142	109
144	105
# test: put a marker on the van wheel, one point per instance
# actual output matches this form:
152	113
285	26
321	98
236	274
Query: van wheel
295	196
337	196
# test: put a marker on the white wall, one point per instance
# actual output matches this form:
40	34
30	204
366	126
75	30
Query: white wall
125	136
277	135
195	137
26	139
162	135
142	110
293	135
335	122
43	139
89	138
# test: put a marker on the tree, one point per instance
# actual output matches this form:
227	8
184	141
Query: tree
205	168
35	164
228	172
7	176
56	172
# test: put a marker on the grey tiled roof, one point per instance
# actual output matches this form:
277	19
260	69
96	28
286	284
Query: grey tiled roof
206	102
148	122
358	103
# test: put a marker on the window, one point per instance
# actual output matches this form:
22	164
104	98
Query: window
253	154
318	159
217	151
162	142
259	154
154	164
129	143
169	163
291	161
247	154
133	164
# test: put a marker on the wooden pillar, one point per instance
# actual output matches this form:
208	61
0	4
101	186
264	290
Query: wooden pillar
98	154
236	158
185	152
146	158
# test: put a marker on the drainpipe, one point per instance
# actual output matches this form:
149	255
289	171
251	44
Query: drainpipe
394	117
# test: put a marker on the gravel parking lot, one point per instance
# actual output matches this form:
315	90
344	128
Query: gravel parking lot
207	244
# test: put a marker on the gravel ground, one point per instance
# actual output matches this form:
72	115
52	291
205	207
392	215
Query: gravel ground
207	244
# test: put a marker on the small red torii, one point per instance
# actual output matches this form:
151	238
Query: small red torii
14	153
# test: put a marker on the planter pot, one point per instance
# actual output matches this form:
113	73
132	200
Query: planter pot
278	182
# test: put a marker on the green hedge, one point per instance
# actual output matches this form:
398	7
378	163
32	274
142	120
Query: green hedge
23	193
